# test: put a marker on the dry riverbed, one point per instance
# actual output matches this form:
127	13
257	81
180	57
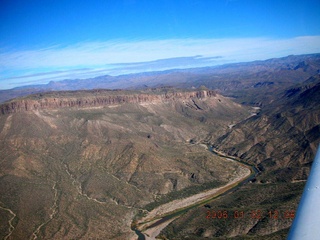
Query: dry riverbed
163	210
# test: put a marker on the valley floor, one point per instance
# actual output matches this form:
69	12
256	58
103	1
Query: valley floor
158	213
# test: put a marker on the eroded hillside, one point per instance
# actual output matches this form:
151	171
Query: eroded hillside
281	141
81	165
99	98
283	137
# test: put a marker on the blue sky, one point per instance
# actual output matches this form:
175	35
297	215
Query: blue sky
43	40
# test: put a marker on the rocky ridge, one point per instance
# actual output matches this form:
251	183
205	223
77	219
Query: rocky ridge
99	98
86	167
251	83
283	137
280	139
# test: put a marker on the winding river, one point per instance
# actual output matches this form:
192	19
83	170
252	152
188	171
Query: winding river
156	224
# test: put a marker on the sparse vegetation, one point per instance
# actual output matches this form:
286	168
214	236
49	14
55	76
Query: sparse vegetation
103	163
85	171
186	192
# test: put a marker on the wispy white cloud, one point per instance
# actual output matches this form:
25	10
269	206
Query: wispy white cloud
100	57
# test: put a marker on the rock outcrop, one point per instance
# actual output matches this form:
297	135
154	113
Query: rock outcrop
95	98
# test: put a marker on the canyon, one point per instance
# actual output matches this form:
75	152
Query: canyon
90	165
81	164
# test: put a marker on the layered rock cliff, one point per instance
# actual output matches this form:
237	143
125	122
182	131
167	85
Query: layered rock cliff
96	98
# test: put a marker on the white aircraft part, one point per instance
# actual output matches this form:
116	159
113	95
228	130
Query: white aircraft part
306	224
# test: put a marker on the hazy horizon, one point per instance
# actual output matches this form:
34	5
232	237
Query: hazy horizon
124	69
51	41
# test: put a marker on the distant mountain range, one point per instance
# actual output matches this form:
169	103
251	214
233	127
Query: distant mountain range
78	161
280	139
240	80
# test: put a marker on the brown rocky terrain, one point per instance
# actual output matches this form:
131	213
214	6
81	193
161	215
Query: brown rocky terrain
283	137
86	164
281	141
96	98
81	165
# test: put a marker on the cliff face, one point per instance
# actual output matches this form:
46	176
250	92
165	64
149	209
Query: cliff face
97	98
